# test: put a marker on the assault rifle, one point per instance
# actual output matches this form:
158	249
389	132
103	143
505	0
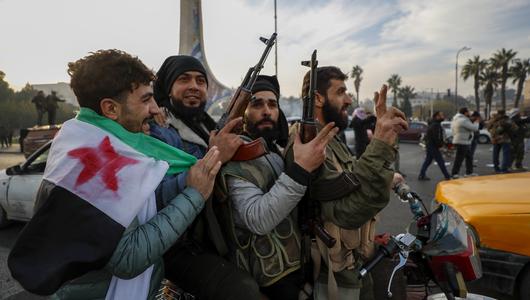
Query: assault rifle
310	223
239	102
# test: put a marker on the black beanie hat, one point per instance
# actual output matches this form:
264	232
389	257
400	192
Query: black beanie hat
172	67
270	83
267	83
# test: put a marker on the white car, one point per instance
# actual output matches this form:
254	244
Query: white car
483	138
19	185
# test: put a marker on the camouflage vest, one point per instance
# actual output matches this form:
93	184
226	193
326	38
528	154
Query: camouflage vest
267	257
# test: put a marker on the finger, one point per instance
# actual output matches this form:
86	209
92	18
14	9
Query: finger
378	112
400	125
381	101
398	113
231	125
324	132
215	169
211	161
210	153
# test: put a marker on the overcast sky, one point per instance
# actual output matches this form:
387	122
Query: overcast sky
416	39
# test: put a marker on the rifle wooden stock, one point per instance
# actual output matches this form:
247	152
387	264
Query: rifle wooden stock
250	151
308	131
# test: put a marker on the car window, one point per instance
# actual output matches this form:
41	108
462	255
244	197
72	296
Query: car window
39	163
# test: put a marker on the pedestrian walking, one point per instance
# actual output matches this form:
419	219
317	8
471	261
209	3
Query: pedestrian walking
475	116
434	139
463	129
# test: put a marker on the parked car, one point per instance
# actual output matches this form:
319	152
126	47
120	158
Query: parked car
483	138
19	185
497	211
415	132
36	137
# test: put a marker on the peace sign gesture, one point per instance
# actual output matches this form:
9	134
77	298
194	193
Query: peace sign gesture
390	121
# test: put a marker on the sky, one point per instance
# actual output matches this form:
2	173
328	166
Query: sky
417	39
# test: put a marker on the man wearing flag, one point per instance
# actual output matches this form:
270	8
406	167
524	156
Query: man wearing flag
98	232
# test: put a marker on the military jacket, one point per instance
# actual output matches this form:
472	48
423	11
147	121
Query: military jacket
348	209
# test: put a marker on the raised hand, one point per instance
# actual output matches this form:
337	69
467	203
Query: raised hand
311	155
226	141
201	176
390	122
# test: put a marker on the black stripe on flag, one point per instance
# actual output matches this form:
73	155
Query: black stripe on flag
65	239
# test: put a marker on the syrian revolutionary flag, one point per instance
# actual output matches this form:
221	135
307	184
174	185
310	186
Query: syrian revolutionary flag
101	178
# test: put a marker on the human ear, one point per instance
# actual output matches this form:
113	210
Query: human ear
110	108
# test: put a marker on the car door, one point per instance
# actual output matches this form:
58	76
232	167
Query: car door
23	186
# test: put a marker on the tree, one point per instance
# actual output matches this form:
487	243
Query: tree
490	78
518	72
501	60
393	83
407	93
473	67
356	73
6	92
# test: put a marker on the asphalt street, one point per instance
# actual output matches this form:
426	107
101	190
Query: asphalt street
393	219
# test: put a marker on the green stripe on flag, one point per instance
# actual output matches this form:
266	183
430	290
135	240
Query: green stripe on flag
177	159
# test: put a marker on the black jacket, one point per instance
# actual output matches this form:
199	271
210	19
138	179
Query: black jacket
435	134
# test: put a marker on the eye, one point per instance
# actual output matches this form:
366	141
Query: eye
201	80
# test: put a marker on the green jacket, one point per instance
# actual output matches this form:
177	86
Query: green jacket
359	206
140	247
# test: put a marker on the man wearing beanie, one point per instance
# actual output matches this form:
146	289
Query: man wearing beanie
260	195
194	263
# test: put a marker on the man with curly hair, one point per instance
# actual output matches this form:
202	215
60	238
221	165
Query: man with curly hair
97	232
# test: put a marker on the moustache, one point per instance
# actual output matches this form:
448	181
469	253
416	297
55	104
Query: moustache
265	120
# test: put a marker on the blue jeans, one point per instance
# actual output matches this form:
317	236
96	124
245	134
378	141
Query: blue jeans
434	153
506	157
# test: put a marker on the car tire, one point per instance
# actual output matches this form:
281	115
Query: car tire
483	139
4	222
524	284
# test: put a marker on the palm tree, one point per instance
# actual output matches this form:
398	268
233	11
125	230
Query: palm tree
518	73
393	83
473	67
501	60
356	73
407	93
491	79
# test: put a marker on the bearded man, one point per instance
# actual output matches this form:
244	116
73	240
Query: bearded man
260	196
348	210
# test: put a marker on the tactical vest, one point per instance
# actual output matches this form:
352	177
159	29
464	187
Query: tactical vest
267	257
353	245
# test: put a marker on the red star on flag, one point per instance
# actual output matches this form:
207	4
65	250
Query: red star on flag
102	159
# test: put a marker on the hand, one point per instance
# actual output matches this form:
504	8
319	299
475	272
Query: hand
390	122
382	239
202	175
226	142
311	155
161	118
398	179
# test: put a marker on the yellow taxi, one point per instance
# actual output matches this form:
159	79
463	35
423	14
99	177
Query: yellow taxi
497	210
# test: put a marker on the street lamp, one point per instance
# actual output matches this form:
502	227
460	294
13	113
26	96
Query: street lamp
465	48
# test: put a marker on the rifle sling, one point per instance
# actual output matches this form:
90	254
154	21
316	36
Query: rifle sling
335	188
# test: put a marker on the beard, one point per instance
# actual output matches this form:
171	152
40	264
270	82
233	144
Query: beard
185	112
333	114
269	134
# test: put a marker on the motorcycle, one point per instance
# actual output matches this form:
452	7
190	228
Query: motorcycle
437	247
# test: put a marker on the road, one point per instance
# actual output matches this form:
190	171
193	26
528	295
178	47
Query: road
394	218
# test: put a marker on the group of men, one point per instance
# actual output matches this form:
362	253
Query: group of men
508	133
46	104
118	210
